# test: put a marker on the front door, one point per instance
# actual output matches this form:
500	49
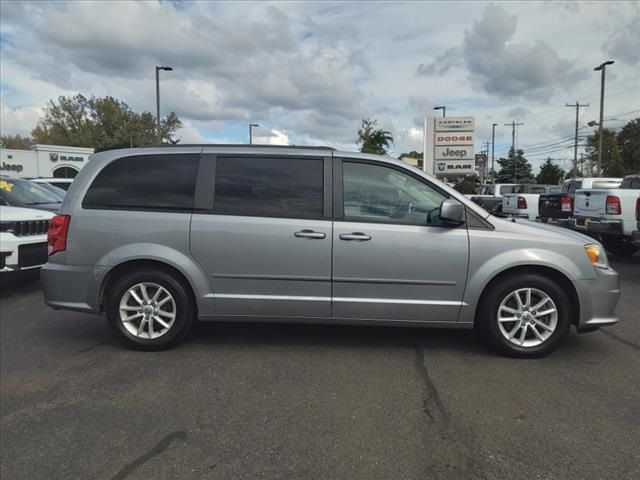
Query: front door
266	243
393	258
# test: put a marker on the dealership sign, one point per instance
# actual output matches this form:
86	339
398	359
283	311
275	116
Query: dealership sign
460	152
454	138
456	167
455	124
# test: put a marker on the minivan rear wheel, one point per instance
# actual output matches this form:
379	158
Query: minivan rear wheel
149	309
525	315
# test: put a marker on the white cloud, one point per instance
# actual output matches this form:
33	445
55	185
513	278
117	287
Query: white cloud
262	136
18	120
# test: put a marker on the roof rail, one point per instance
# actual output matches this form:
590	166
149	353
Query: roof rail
303	147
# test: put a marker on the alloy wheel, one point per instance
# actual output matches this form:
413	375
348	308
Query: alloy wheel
527	317
147	310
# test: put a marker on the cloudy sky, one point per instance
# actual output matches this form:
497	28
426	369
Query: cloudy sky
308	72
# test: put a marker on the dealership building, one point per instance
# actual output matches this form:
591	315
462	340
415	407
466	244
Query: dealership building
43	161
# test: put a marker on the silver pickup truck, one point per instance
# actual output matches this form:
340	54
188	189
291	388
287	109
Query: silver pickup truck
611	215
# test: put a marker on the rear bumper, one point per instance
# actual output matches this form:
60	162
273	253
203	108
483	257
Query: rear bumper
71	287
600	225
598	299
635	238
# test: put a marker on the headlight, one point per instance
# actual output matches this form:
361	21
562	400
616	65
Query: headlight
597	256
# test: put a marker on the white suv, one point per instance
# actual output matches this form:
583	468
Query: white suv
23	238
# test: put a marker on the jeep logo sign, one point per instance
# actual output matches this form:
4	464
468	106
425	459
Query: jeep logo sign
449	153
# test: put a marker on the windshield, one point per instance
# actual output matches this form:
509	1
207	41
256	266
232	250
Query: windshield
25	193
56	191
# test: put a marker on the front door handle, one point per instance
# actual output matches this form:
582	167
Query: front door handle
310	234
355	237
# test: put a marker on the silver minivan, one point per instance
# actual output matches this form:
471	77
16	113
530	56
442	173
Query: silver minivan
158	237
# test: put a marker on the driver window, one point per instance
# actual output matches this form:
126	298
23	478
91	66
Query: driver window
373	193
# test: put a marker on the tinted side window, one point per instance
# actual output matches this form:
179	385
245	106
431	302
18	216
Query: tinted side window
573	186
373	193
162	182
269	187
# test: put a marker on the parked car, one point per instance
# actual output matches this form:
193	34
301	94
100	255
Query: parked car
18	192
23	238
57	192
611	215
63	183
157	237
559	206
524	203
489	197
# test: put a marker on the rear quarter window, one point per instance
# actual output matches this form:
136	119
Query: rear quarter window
145	182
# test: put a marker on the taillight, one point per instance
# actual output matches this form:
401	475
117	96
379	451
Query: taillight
613	205
638	209
522	203
566	204
57	235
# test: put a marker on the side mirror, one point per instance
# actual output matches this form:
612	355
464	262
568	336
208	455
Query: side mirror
452	212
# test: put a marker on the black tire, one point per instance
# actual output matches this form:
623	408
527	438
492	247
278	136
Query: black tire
619	246
184	311
487	320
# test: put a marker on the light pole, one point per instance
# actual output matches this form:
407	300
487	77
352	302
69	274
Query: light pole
443	108
251	125
168	69
493	152
602	67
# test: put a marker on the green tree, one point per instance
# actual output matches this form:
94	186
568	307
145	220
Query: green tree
17	142
101	123
515	168
373	139
468	185
550	174
629	144
612	164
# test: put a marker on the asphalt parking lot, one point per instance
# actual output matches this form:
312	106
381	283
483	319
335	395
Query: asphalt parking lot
297	401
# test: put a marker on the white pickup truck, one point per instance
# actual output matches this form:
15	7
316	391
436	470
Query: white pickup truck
524	202
489	197
23	238
611	215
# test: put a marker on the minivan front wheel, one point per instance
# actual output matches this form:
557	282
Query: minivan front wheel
526	315
149	309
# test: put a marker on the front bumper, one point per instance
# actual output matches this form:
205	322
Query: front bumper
598	299
72	287
22	253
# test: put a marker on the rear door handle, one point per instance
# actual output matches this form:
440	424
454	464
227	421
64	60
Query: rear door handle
310	234
355	237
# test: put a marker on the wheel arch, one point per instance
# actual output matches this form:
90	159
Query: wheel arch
138	264
554	274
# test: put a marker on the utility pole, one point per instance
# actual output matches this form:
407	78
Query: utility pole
493	152
485	167
514	125
602	68
575	143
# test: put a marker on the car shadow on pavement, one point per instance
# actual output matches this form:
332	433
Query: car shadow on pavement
19	283
313	335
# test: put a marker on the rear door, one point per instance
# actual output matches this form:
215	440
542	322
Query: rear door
392	257
265	237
